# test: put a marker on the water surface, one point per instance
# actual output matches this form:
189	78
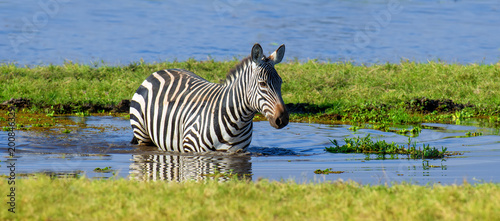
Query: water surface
120	32
293	153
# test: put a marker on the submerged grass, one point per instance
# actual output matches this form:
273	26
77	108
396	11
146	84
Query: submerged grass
43	198
381	93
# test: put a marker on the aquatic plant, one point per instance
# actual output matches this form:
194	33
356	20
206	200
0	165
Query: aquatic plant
327	171
367	146
82	113
103	170
427	166
473	134
494	119
50	114
413	132
354	128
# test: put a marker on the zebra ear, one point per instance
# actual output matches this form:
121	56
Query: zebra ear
277	55
257	53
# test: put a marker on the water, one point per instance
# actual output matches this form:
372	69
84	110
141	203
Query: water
293	153
120	32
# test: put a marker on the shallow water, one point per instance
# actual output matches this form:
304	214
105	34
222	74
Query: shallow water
294	152
120	32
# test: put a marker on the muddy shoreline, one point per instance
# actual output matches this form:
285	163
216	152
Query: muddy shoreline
416	105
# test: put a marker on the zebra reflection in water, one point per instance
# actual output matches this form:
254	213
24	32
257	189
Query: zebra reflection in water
182	167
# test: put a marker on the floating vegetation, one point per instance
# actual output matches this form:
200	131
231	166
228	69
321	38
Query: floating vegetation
50	114
413	132
427	166
354	128
473	134
66	131
367	146
459	116
82	113
493	119
103	170
327	171
381	127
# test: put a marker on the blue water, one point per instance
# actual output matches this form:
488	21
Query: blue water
120	32
292	153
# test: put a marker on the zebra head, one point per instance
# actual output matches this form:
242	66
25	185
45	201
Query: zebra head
265	86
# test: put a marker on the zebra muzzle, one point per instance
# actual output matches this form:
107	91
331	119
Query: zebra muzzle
280	118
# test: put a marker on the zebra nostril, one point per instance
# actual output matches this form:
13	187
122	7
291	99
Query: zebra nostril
278	121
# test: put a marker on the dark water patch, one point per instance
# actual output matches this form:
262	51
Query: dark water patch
271	151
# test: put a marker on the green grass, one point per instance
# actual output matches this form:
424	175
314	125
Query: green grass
382	93
42	198
79	84
367	146
379	94
347	84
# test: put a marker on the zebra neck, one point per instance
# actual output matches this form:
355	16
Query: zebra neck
237	103
241	70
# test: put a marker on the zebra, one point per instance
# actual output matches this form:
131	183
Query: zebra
183	167
179	111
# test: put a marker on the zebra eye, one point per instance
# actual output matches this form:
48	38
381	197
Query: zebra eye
263	84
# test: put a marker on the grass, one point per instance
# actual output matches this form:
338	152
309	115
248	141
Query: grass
382	93
367	146
80	84
43	198
344	83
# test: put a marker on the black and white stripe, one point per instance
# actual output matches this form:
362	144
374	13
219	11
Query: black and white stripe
177	110
184	167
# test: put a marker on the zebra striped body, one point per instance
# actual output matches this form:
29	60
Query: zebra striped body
177	110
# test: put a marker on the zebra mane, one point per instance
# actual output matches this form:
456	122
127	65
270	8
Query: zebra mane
238	69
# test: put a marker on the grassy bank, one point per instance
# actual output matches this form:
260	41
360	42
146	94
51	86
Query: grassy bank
82	199
387	93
